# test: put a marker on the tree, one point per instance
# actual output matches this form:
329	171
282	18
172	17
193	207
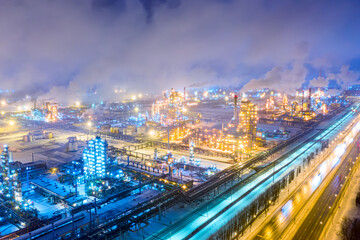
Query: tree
357	200
349	229
345	229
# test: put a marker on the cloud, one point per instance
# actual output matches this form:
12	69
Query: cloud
66	49
319	82
346	77
333	92
280	79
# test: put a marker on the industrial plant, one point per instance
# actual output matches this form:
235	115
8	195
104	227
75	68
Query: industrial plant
179	120
107	169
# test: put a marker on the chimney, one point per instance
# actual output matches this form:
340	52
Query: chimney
235	107
309	99
184	94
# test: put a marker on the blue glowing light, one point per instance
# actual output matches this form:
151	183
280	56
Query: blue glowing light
316	181
286	209
95	156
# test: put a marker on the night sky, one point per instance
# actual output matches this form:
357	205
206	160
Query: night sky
62	49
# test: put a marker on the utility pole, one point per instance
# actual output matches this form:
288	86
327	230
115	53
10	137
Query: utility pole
168	131
95	207
274	171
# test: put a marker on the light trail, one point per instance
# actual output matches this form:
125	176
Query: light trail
276	225
249	192
287	165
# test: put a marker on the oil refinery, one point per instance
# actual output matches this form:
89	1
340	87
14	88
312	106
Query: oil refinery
179	120
76	170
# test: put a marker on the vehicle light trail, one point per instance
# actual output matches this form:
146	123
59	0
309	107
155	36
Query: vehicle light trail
219	215
274	227
263	182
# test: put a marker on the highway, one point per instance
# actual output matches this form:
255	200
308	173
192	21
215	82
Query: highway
209	218
290	211
320	213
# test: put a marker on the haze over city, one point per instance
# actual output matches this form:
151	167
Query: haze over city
179	119
63	49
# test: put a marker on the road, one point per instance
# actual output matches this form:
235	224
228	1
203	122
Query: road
209	218
321	211
293	207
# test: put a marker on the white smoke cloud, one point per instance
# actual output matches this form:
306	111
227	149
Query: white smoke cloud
280	79
63	49
346	77
333	92
319	82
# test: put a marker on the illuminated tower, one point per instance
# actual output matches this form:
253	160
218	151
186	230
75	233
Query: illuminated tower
52	112
285	103
191	149
95	156
270	103
15	182
172	104
11	184
235	107
175	106
248	123
6	174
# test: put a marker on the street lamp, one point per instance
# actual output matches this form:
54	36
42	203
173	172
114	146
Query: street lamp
89	124
152	133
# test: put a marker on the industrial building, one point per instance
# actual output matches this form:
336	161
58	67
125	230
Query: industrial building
167	149
247	123
72	144
95	158
11	184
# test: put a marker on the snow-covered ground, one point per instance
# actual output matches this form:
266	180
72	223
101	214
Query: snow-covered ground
206	161
347	208
7	229
52	150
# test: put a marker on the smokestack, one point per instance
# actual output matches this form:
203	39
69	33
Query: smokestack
184	94
309	99
302	103
235	107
